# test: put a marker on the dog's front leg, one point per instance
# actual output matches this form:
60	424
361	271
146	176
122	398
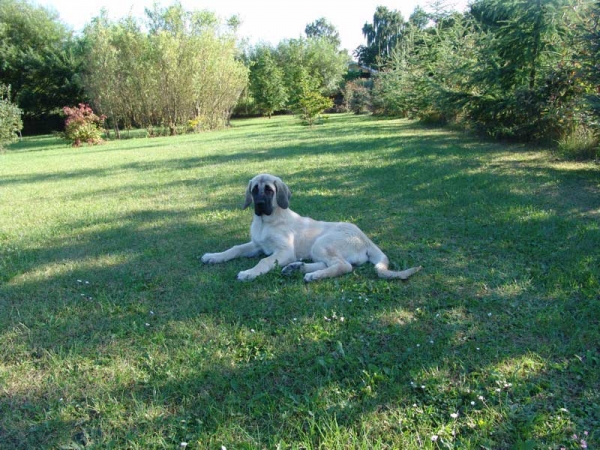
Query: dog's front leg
265	265
249	249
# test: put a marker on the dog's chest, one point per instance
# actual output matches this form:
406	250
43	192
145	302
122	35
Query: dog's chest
267	236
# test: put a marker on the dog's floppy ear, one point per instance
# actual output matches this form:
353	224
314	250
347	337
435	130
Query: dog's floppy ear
283	194
248	201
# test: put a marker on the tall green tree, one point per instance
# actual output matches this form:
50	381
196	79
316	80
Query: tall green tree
589	56
41	61
267	82
383	35
183	71
524	86
311	103
316	59
526	36
323	29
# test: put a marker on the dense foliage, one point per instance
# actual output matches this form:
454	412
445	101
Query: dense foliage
40	60
505	68
266	81
298	72
10	118
311	103
184	68
82	125
508	69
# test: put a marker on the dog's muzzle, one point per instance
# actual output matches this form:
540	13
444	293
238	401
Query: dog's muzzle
262	206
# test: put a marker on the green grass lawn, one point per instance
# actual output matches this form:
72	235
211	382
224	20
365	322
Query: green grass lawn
114	335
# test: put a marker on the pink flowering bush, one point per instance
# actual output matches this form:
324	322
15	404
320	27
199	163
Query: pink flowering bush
83	125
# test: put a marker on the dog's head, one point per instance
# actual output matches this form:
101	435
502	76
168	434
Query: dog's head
267	192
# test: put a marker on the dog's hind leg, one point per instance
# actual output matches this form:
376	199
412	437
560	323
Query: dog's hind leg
337	268
302	267
329	261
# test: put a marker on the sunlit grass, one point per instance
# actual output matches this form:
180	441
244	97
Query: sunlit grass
113	335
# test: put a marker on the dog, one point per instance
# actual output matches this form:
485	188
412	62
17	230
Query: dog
288	239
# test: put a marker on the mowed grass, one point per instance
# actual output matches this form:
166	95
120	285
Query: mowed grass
114	335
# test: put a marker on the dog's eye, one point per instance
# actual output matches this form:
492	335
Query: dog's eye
268	190
255	190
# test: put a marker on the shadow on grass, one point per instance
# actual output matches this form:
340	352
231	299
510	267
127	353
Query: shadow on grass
510	275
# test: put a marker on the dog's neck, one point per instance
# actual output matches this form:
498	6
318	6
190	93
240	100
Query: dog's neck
277	215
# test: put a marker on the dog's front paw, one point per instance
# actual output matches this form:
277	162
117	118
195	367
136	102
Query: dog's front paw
211	258
291	268
246	275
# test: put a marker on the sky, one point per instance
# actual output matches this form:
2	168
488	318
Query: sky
268	21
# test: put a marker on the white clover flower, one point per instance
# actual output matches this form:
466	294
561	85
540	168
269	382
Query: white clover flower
454	415
434	438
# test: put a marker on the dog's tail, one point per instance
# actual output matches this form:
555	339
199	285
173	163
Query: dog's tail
381	262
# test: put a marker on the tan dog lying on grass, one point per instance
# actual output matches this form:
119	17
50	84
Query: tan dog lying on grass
287	239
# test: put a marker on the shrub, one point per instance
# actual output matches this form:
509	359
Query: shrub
311	103
358	96
82	125
10	118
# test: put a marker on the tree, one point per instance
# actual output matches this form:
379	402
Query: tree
184	69
589	57
316	59
10	118
419	18
40	59
524	85
382	37
311	103
266	82
323	29
525	36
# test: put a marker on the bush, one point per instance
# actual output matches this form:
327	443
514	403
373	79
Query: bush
10	118
311	103
82	125
358	96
